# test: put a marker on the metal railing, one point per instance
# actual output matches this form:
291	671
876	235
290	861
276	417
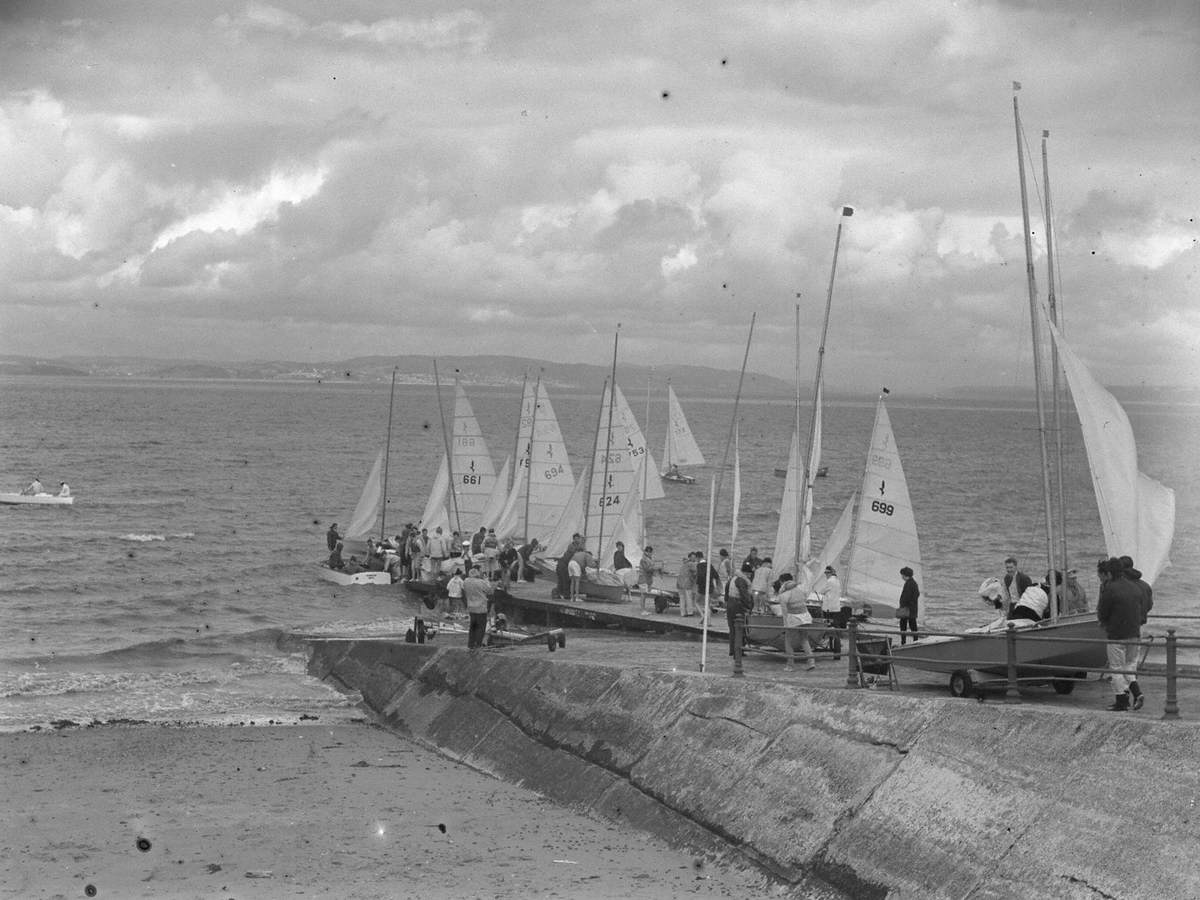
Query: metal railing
854	635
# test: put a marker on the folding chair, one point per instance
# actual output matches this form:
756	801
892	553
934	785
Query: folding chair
873	659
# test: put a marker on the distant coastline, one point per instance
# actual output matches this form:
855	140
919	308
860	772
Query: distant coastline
501	372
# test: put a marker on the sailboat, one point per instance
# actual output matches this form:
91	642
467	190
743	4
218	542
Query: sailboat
1136	513
466	478
371	503
680	446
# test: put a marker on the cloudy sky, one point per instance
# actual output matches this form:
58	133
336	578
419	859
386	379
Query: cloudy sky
312	181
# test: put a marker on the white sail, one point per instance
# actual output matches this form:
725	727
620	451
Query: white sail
1137	513
885	534
550	480
436	514
498	499
507	524
473	475
831	553
571	521
366	513
628	527
814	463
783	558
635	442
680	447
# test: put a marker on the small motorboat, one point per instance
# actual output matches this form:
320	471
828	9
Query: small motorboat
42	499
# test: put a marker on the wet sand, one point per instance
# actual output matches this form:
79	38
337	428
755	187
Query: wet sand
348	811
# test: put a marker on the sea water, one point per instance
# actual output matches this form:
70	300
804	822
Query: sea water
180	583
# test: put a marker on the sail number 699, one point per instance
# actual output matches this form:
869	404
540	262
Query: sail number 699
882	508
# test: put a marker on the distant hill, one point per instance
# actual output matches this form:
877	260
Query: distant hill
499	371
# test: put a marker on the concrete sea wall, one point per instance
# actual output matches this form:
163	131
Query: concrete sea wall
840	793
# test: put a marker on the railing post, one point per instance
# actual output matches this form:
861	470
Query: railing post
1011	693
852	653
739	624
1171	707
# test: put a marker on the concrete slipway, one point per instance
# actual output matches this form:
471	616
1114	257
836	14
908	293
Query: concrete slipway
830	791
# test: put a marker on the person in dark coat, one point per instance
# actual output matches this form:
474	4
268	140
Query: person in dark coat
738	599
910	594
332	536
1119	612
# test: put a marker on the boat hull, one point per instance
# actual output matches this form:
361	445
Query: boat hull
36	500
679	478
767	631
1048	650
337	576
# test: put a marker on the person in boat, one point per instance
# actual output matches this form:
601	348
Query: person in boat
332	536
673	471
1015	583
335	557
1034	604
353	566
1076	596
752	558
725	567
910	595
455	545
620	560
34	487
1119	611
416	552
64	489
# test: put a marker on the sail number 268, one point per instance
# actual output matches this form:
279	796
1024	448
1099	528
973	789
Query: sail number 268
882	508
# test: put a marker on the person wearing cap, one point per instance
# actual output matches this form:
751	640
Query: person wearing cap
64	489
478	594
1074	594
1119	612
910	595
831	605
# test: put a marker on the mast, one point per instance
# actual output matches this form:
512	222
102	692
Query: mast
446	440
1060	565
387	453
1036	338
537	388
612	402
668	450
847	211
517	437
733	421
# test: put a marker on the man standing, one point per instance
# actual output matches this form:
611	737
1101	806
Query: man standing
1119	612
831	605
738	602
478	594
332	537
1015	583
1076	596
438	551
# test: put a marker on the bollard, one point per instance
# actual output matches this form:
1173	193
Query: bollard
1011	693
1171	707
852	654
739	624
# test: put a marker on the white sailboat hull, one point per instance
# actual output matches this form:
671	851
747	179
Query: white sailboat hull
346	578
36	499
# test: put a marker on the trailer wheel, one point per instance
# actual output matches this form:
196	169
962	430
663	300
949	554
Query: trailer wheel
1063	686
562	639
551	643
961	684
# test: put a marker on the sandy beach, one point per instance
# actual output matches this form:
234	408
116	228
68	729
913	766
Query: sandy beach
348	811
